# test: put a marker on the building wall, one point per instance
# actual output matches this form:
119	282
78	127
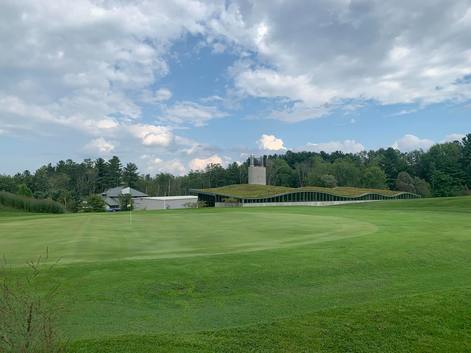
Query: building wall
302	203
298	203
145	203
257	175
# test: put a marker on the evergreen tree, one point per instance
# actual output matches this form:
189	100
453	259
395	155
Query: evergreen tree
130	176
392	164
113	172
101	175
465	160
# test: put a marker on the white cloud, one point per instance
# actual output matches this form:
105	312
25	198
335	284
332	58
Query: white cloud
453	137
84	63
174	166
347	146
270	143
270	83
17	112
158	96
201	163
339	51
404	112
183	113
411	142
152	135
100	145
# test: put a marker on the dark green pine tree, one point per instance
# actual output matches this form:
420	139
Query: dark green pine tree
113	172
392	165
466	159
101	175
130	175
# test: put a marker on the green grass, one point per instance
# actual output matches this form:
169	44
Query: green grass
257	191
389	276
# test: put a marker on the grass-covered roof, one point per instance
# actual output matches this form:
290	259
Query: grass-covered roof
258	191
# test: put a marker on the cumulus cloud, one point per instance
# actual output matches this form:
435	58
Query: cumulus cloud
337	51
201	163
152	135
270	83
100	145
94	66
270	143
174	166
411	142
183	113
453	137
81	62
17	112
347	146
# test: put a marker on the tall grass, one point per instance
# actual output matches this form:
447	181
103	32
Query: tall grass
29	204
28	312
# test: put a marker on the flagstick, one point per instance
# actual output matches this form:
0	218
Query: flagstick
130	214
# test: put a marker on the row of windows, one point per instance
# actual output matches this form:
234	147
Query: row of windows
308	197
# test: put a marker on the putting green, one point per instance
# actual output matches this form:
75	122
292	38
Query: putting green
154	235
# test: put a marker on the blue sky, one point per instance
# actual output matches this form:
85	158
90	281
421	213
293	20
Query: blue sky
176	85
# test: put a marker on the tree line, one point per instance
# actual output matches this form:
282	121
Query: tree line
443	170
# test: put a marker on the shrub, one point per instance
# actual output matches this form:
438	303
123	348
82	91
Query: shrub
30	205
202	204
24	190
328	181
191	204
95	203
28	313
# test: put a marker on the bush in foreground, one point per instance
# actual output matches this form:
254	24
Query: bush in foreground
93	203
28	315
29	204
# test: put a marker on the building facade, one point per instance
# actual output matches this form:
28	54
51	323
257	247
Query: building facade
111	196
165	202
142	201
257	171
300	197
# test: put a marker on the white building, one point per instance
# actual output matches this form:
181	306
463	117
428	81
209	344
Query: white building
111	196
257	171
165	202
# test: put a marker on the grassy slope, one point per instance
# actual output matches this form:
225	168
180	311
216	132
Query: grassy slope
246	190
402	286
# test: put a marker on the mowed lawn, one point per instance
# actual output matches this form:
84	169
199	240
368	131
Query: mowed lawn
389	276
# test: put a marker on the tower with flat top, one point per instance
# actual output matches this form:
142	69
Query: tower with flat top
257	171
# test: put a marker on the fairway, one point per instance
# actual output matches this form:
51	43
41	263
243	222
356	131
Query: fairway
387	276
154	235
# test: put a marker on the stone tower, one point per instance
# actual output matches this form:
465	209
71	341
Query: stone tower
257	171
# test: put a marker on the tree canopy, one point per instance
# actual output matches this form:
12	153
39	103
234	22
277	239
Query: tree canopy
444	170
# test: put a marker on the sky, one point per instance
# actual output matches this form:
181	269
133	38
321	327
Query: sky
175	85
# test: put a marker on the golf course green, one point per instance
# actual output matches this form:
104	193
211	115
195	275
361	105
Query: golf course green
386	276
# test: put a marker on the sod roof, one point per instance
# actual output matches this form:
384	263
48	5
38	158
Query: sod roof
258	191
